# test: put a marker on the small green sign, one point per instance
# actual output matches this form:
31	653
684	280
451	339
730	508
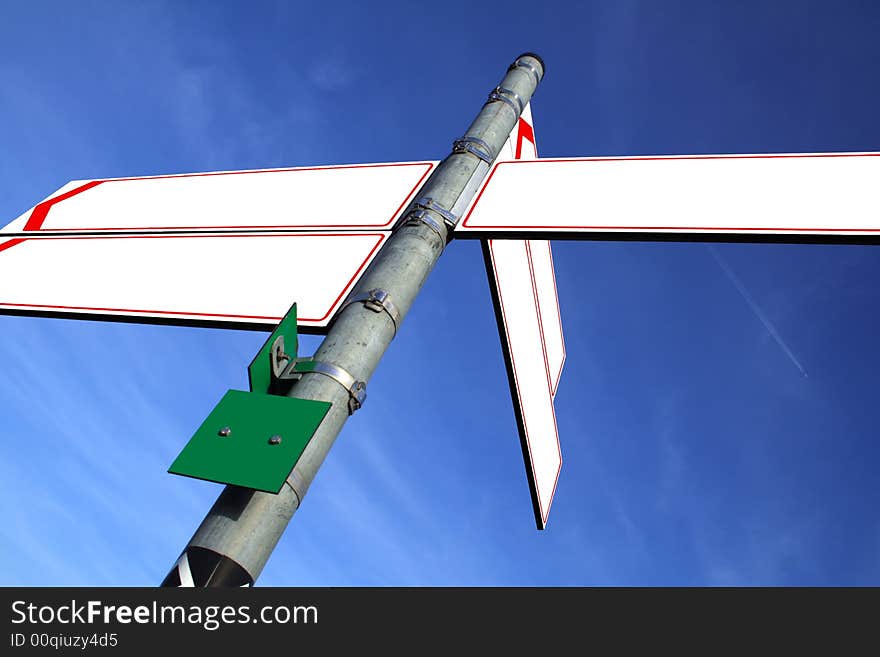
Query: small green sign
251	440
260	369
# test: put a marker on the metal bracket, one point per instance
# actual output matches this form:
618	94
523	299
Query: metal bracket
273	356
357	390
428	203
474	146
278	357
422	216
377	300
425	205
507	96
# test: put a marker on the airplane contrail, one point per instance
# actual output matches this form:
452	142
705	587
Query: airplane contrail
755	308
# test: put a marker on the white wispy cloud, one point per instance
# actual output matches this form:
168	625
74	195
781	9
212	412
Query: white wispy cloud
756	309
89	447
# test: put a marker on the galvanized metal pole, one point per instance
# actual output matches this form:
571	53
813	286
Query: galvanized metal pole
236	538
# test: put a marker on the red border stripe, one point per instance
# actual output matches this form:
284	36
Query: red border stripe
40	212
10	243
38	216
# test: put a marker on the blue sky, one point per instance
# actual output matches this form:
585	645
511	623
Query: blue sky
696	451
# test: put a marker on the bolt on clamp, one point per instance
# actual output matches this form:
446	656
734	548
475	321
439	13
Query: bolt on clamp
357	390
507	96
474	146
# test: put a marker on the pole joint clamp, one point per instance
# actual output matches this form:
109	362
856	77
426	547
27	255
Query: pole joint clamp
474	146
427	203
357	390
507	96
422	214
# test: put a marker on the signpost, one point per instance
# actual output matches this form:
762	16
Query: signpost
192	249
242	528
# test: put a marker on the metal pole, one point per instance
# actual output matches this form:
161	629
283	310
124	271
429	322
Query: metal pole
237	536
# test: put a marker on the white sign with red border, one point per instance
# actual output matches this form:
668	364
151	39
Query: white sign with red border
520	322
353	197
789	195
234	280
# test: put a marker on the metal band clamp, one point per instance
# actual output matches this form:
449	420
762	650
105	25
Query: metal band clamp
519	63
422	216
507	96
357	390
428	203
377	300
474	146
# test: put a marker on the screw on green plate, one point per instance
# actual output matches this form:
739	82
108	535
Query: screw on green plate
250	460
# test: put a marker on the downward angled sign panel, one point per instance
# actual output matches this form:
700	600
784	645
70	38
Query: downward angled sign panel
825	194
355	197
519	318
218	280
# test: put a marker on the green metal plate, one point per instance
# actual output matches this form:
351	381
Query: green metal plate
260	369
245	457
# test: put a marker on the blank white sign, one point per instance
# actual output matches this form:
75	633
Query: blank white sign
231	279
527	360
829	194
355	197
